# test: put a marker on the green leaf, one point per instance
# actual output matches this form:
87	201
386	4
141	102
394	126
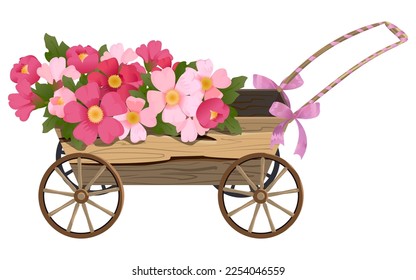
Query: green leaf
221	126
230	97
137	94
163	128
69	83
67	130
192	65
77	144
230	93
233	126
44	91
49	124
102	50
54	49
147	80
180	69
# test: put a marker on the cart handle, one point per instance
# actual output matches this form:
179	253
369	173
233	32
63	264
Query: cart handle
394	29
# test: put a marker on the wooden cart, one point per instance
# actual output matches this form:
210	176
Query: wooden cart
245	170
259	194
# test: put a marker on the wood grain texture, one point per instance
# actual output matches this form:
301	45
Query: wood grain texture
254	139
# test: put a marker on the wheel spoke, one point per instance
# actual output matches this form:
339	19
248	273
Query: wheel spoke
283	192
58	192
79	178
66	180
228	190
253	220
280	207
276	179
71	222
84	207
50	214
105	191
69	172
89	201
87	188
266	209
262	167
241	208
248	180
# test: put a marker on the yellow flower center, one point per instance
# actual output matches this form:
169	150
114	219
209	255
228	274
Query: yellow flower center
114	81
172	97
214	115
25	69
60	101
206	83
95	114
133	117
82	56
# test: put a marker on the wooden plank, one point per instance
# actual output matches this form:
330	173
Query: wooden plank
254	139
183	171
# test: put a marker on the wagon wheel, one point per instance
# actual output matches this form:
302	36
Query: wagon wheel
270	176
66	168
76	210
279	200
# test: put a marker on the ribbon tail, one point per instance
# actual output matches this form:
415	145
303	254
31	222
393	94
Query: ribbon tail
302	141
262	82
278	135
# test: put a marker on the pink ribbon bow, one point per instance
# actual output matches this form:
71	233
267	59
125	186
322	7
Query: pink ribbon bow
262	82
283	112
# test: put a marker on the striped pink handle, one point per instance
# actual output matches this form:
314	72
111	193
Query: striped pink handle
394	29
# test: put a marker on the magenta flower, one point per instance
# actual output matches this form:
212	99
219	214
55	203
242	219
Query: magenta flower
117	51
119	78
154	57
25	101
25	70
175	100
56	69
211	82
135	118
211	112
85	59
60	98
95	116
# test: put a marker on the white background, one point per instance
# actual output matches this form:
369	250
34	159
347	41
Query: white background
358	219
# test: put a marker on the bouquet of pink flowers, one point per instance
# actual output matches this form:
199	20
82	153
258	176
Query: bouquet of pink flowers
89	93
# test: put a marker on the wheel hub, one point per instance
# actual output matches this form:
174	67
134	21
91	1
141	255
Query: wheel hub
81	196
260	196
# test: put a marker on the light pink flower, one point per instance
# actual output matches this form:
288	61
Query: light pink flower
95	116
135	118
117	51
25	70
211	82
25	101
190	128
56	69
175	100
211	112
60	98
154	57
85	59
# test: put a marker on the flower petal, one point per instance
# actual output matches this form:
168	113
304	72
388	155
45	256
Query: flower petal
109	67
71	72
23	113
188	83
201	130
220	79
86	132
45	72
156	100
89	94
57	66
173	114
126	126
112	104
137	133
109	129
128	56
204	67
75	112
135	104
189	132
99	78
164	80
213	93
190	104
148	117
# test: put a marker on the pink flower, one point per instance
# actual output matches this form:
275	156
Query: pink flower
60	98
211	112
114	77
135	118
154	56
85	59
25	101
190	128
117	51
56	69
211	82
175	100
25	70
95	116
